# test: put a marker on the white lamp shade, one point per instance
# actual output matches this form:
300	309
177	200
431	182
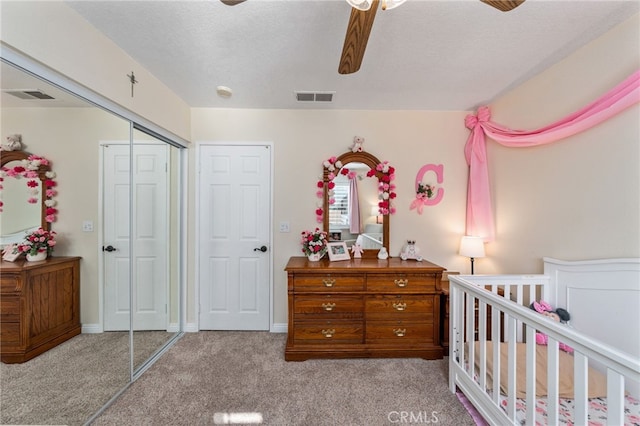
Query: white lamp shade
375	211
360	4
472	246
390	4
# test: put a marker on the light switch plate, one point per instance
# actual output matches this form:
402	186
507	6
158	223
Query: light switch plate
87	226
284	226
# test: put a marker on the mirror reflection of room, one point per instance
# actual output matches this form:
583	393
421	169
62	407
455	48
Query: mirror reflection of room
354	216
68	381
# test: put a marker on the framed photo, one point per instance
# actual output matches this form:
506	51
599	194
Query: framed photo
8	253
338	251
335	235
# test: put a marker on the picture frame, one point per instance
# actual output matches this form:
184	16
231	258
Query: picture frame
338	251
10	254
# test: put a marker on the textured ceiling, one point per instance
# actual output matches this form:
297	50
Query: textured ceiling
432	55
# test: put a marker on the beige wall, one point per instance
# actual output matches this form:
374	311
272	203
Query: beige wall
69	138
302	140
58	37
578	198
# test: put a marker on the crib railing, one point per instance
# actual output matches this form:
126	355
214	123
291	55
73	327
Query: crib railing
512	321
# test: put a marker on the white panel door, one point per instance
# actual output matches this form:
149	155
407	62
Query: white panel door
234	217
150	236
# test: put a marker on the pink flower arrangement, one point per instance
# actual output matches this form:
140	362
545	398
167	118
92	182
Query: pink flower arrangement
38	241
314	242
386	189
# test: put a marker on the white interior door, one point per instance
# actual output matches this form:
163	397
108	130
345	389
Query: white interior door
150	236
234	217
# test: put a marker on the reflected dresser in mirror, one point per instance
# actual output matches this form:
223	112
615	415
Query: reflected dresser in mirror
363	308
39	306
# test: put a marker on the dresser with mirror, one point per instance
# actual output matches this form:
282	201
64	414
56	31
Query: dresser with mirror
362	307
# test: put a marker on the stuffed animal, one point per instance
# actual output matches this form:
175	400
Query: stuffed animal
410	251
559	315
357	144
13	143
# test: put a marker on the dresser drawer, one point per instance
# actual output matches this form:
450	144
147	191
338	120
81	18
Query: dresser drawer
399	307
328	282
10	334
399	283
399	332
10	283
9	309
328	332
328	306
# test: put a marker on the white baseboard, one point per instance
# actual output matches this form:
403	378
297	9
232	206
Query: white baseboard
92	328
174	328
279	328
191	327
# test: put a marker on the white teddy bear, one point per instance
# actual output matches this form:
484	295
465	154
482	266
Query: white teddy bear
13	143
357	144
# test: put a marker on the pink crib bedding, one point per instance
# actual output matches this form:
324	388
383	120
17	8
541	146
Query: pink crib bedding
597	411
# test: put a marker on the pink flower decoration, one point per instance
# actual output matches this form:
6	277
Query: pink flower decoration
32	200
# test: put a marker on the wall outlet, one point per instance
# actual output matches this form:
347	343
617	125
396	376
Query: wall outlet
87	226
284	226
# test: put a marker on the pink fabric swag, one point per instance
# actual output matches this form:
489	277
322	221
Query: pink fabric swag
479	213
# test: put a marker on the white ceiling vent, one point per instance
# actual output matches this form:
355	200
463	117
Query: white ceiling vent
28	94
315	96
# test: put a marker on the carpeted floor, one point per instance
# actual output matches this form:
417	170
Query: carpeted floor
69	383
208	375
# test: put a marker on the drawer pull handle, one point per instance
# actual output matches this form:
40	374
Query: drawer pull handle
328	282
328	333
401	283
400	306
328	306
400	332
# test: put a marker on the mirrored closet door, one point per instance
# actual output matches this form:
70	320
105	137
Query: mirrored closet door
128	317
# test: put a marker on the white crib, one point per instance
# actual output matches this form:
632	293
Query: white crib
495	361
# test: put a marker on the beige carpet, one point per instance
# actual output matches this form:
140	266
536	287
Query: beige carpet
209	373
69	383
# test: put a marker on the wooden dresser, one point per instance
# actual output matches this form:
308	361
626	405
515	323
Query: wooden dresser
39	306
363	308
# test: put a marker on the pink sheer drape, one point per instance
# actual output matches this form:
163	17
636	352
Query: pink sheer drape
479	213
354	207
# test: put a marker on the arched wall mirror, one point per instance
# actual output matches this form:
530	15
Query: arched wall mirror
23	204
350	203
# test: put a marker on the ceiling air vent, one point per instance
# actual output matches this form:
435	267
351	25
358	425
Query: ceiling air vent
29	94
314	96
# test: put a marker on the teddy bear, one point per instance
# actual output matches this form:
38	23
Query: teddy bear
13	143
357	144
558	315
411	251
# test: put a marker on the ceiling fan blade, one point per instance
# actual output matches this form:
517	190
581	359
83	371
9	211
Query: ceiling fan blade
503	5
355	41
231	2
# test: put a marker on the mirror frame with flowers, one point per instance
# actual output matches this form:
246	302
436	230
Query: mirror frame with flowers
40	184
382	171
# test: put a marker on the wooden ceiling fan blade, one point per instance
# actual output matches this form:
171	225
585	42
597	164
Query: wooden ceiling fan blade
503	5
355	41
231	2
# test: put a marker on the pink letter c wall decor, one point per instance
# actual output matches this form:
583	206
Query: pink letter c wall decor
424	192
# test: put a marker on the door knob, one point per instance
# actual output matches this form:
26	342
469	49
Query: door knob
109	248
262	249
